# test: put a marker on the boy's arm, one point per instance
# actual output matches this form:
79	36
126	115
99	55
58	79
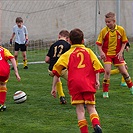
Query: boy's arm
53	91
12	38
120	54
47	59
127	47
102	54
97	85
15	68
26	37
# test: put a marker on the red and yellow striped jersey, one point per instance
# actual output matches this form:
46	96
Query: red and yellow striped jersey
111	41
5	55
82	65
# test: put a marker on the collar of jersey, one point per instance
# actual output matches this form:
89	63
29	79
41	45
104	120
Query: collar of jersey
116	27
77	45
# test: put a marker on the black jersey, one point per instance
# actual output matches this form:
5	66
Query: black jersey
56	49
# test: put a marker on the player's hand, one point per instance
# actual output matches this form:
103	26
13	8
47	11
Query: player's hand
10	42
120	56
17	76
97	85
127	48
103	56
26	42
53	92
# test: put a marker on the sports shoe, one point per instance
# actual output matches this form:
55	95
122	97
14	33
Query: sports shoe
131	89
2	108
105	95
97	129
62	100
25	67
123	84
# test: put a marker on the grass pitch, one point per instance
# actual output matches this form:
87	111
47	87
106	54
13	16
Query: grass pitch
41	113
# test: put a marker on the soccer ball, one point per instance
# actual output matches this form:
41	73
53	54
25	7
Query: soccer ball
19	96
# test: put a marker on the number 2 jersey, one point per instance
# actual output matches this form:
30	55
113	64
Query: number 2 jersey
5	55
56	49
82	65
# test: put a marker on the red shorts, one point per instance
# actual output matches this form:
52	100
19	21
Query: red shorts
4	79
113	59
84	97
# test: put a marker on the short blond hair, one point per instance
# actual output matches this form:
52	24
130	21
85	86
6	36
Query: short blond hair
110	15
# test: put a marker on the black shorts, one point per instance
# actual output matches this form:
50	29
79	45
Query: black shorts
21	47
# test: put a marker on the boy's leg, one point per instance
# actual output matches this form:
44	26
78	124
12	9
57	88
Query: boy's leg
106	80
16	49
123	83
106	83
82	122
126	77
114	71
3	91
60	92
16	58
59	89
94	118
24	60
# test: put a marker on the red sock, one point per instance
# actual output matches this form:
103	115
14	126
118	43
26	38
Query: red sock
129	82
106	85
3	91
94	119
83	125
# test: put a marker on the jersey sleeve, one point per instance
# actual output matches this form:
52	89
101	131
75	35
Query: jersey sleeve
60	64
26	31
124	37
49	51
100	39
7	54
96	63
101	36
14	29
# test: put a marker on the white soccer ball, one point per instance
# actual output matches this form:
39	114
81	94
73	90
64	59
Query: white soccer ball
19	96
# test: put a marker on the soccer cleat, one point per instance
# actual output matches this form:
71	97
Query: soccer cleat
2	108
123	84
105	95
25	67
131	89
97	129
62	100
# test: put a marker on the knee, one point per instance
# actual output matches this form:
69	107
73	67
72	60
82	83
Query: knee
107	72
15	56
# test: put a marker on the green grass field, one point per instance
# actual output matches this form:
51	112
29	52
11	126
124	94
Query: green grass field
41	113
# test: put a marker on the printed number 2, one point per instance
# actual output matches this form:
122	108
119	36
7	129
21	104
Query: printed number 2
81	55
60	51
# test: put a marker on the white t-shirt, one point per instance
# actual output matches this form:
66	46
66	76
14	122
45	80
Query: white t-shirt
20	34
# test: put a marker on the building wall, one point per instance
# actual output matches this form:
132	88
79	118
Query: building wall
44	19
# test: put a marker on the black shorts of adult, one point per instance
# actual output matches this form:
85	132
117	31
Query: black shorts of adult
21	47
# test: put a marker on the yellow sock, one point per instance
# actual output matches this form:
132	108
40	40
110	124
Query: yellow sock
122	80
25	62
59	89
114	71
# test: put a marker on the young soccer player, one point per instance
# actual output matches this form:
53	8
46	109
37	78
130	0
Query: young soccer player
56	49
5	55
83	79
116	71
21	40
111	43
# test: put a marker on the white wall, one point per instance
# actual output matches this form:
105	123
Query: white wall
45	18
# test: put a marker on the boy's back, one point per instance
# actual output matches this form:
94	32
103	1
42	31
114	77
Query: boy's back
56	49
